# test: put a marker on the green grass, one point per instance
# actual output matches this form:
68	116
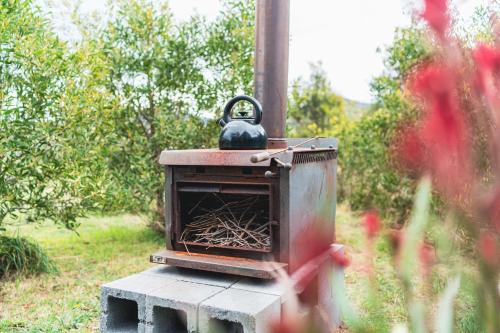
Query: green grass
382	304
108	248
385	306
19	255
105	249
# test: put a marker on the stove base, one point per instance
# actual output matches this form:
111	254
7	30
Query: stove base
220	264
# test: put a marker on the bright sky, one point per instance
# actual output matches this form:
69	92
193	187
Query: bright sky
343	35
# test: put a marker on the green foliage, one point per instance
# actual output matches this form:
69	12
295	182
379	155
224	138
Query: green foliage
21	256
230	50
314	109
409	48
168	81
368	177
482	27
46	160
415	232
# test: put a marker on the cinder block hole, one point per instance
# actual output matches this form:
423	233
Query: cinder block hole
224	326
123	315
166	320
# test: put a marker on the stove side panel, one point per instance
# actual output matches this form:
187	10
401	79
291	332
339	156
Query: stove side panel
311	194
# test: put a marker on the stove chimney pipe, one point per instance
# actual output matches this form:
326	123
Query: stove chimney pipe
271	66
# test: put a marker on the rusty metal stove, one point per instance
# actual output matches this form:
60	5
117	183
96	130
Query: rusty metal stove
294	189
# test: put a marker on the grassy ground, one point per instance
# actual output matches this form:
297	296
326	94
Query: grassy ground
110	248
104	250
381	303
389	307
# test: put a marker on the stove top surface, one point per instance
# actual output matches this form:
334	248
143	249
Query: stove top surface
217	157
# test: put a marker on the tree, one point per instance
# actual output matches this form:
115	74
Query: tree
169	81
314	109
46	161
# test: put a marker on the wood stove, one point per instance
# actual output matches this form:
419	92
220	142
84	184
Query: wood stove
262	201
261	207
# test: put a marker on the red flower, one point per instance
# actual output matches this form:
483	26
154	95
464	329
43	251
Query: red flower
436	15
493	209
427	256
339	259
282	326
311	248
487	73
372	224
488	248
410	150
314	241
443	130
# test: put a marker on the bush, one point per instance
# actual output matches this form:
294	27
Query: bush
167	81
313	108
48	165
21	256
367	178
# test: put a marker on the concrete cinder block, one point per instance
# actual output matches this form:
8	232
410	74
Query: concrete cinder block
170	299
122	326
271	287
194	276
238	310
175	307
123	302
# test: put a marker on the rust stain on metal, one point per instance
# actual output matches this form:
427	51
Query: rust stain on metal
294	198
219	264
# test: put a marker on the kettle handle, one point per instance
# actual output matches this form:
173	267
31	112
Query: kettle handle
226	118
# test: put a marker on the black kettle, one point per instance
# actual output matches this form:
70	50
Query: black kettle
242	133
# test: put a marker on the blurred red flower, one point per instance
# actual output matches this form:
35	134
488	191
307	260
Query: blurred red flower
493	209
303	276
339	259
488	248
443	132
487	60
314	241
409	149
282	326
427	256
436	15
372	224
311	249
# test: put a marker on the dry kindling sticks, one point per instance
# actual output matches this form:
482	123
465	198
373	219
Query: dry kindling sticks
242	223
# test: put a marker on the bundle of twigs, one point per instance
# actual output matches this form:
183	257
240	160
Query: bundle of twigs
234	224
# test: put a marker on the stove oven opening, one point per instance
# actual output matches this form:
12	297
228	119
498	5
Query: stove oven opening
228	216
